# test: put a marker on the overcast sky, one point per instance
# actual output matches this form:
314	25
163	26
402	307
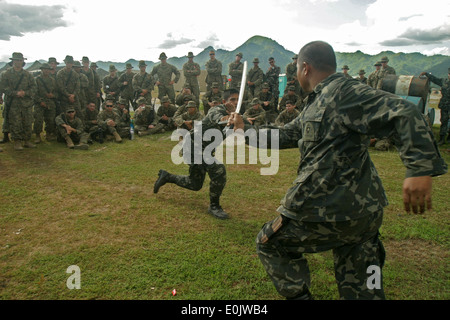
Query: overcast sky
120	30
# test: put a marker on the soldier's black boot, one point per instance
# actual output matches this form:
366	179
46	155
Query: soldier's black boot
163	178
217	211
5	138
441	140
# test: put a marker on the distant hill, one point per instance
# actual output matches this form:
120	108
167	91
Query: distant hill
263	48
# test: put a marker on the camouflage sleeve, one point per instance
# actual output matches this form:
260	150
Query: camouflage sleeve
435	79
382	114
177	74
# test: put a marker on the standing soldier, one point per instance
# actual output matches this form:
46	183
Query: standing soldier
97	85
45	106
272	78
164	81
384	71
53	63
91	94
111	84
255	77
345	69
126	86
373	77
362	76
444	104
19	87
143	84
291	76
191	71
68	82
84	86
235	70
214	72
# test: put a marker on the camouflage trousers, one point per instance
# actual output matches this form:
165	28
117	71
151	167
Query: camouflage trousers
76	137
445	113
48	115
166	90
197	173
20	119
281	245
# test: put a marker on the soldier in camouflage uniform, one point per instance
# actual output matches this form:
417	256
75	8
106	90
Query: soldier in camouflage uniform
373	77
45	107
165	115
111	83
272	78
19	87
362	78
186	120
336	202
91	123
183	108
214	72
197	172
143	84
144	118
92	93
345	69
126	85
5	126
68	82
268	103
210	96
70	129
123	126
235	70
289	114
291	76
186	92
255	77
54	64
163	72
289	96
384	71
108	120
84	86
97	85
444	104
255	114
191	71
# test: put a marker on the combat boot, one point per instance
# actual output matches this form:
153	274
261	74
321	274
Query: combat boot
5	138
18	145
28	144
69	142
217	211
81	146
38	138
163	178
117	137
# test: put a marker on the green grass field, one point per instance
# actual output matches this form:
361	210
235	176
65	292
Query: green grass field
96	209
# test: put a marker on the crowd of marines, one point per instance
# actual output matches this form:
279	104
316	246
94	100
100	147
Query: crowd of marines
70	102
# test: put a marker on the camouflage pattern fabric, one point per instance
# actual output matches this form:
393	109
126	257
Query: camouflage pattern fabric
271	107
235	70
373	79
93	86
168	111
20	116
47	113
111	86
90	120
286	117
68	82
291	77
272	78
214	74
163	73
259	115
126	91
84	90
383	72
255	75
293	98
209	97
80	136
104	116
282	243
179	121
191	71
143	118
123	124
444	103
141	82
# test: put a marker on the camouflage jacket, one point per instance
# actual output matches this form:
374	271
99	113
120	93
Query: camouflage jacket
84	89
164	72
197	116
45	85
383	73
291	71
210	96
336	179
76	123
214	71
373	79
105	115
235	71
111	84
444	83
259	115
93	87
286	117
90	118
168	111
143	82
126	90
68	82
267	97
145	116
191	71
255	75
10	86
286	97
124	118
272	77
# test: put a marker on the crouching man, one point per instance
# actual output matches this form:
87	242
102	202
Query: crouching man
70	129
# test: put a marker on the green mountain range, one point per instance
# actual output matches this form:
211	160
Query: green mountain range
263	48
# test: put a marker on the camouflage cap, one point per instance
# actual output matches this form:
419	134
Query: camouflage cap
256	60
68	59
345	67
271	58
142	63
51	59
186	86
70	109
378	63
165	99
162	56
255	101
291	88
140	101
110	97
77	64
112	67
129	66
45	66
265	85
384	59
295	57
239	54
188	97
215	85
190	55
123	101
17	56
93	64
85	59
191	104
361	71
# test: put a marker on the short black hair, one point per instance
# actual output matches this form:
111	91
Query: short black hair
320	55
227	93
